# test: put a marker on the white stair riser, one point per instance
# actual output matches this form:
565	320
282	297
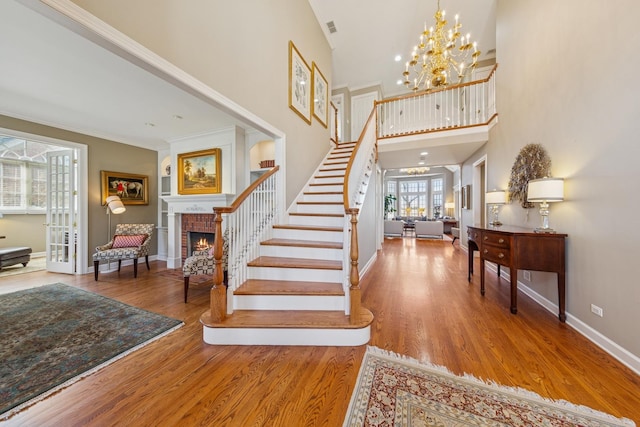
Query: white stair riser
323	236
320	208
331	173
329	187
295	274
286	336
328	181
330	198
301	252
312	220
336	169
289	302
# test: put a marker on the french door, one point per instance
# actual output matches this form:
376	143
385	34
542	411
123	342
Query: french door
61	211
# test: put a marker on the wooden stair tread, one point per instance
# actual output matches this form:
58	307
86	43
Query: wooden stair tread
328	176
289	287
303	243
308	227
290	319
284	262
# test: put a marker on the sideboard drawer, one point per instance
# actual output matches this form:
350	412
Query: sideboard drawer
496	239
496	254
473	235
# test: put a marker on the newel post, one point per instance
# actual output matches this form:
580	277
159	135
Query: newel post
218	301
354	274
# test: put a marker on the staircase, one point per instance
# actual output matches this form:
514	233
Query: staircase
295	291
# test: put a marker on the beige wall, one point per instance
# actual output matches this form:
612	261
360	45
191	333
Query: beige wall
565	81
240	49
23	230
102	155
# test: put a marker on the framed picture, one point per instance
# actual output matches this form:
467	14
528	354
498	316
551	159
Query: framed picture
320	96
199	172
131	188
299	84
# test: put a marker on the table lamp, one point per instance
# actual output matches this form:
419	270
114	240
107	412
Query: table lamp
449	206
545	190
495	198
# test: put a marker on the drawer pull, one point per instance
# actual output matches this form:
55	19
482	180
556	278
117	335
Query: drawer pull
501	255
501	241
485	251
486	237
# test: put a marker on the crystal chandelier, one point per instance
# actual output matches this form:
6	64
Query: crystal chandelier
440	54
415	171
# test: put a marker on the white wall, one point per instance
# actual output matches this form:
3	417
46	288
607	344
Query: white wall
240	49
566	80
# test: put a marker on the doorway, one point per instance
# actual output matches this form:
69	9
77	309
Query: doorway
47	208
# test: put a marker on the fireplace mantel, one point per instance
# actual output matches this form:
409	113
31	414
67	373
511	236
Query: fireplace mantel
178	205
197	203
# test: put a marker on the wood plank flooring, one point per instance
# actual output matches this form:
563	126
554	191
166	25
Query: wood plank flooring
424	308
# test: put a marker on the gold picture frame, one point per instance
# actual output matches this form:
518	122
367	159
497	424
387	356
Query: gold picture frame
199	172
133	189
320	96
300	89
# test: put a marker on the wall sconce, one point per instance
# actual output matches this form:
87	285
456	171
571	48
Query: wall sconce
545	190
495	198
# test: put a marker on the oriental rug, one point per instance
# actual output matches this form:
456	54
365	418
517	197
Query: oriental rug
54	335
394	390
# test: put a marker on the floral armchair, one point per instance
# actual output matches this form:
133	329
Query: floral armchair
131	241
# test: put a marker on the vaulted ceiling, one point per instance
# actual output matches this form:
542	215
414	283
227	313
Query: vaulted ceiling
52	75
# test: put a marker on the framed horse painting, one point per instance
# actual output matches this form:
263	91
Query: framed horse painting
131	188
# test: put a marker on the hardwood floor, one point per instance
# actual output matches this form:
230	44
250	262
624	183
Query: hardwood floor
424	308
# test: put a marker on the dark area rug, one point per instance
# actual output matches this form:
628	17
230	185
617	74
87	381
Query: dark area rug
54	335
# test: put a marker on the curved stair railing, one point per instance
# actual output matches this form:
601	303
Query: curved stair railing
357	176
249	220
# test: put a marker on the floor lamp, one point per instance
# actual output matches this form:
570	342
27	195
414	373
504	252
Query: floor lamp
115	206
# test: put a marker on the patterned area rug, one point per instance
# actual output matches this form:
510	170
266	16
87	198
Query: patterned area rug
394	390
56	334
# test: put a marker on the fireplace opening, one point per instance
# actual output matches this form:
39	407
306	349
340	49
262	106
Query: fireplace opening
197	241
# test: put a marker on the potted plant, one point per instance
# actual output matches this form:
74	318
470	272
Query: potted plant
389	203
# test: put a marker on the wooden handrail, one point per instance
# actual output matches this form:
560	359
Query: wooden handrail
448	88
345	194
243	196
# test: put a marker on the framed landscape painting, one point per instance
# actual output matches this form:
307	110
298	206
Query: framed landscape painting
199	172
320	96
299	84
132	189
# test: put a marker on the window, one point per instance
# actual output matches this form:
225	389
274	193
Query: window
23	174
437	185
413	198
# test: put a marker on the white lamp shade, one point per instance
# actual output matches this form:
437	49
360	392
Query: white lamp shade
546	190
496	197
115	204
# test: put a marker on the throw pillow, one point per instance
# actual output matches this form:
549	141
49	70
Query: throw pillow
128	240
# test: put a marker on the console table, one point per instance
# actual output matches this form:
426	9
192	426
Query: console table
519	249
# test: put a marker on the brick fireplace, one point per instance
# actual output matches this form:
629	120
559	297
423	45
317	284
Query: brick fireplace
189	213
200	223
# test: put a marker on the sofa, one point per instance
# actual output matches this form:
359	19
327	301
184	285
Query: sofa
431	229
393	228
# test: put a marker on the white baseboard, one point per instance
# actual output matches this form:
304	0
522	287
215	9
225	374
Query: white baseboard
620	353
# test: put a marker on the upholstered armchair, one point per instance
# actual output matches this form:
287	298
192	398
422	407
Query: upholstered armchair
131	241
202	262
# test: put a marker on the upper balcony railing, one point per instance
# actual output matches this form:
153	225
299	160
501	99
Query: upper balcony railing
458	106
